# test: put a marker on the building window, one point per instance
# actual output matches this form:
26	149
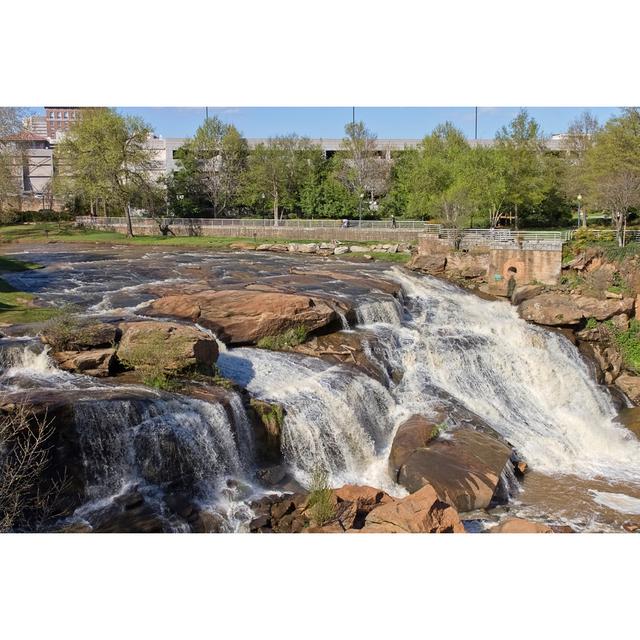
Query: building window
59	115
66	115
52	115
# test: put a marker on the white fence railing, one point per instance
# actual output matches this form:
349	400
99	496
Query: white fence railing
405	225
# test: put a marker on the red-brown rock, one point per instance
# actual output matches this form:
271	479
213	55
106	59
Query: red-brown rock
420	512
240	316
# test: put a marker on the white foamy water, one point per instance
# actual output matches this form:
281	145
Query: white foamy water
617	501
336	418
529	384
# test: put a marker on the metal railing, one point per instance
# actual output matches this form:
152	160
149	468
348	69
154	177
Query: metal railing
139	221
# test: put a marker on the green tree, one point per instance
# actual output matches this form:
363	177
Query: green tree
522	145
10	160
612	168
216	159
105	155
360	169
277	173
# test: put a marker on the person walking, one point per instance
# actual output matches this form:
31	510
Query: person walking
393	222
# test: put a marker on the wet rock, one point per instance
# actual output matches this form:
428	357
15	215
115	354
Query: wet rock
520	525
190	346
267	420
414	433
420	512
526	292
94	362
630	418
345	347
464	469
240	316
630	385
433	264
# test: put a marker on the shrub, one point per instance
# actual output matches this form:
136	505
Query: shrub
437	430
25	501
592	323
155	357
321	504
67	330
629	344
286	340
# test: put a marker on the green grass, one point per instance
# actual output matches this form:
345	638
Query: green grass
9	265
16	307
321	506
592	323
399	258
286	340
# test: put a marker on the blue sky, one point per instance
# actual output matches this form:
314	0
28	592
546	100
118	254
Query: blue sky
328	122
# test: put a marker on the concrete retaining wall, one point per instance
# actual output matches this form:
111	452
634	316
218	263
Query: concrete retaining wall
525	266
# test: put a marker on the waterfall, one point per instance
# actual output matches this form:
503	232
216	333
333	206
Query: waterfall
157	441
336	419
531	385
381	309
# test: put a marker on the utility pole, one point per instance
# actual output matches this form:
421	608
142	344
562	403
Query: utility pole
353	115
206	113
476	132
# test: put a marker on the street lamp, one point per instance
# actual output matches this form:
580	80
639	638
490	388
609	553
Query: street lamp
580	212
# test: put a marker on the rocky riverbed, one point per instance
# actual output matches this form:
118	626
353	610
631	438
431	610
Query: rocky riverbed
269	392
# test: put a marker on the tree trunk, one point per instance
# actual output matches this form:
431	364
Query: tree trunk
92	211
516	220
127	211
275	209
104	207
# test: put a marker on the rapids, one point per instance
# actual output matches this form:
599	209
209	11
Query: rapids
529	384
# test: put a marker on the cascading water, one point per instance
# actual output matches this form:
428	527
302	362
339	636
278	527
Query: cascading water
529	384
131	436
336	419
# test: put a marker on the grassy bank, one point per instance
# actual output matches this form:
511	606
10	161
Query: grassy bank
17	307
53	232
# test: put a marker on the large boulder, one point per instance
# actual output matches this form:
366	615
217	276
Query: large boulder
464	468
433	264
75	335
520	525
94	362
346	347
557	309
240	316
526	292
187	345
420	512
415	432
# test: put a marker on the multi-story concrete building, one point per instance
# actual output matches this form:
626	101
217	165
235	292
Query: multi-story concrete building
31	156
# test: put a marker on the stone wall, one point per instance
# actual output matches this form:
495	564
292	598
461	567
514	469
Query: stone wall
526	266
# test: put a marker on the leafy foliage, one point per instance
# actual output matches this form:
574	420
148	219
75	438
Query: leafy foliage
290	338
629	344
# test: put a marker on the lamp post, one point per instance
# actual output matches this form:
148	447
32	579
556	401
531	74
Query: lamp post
580	219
